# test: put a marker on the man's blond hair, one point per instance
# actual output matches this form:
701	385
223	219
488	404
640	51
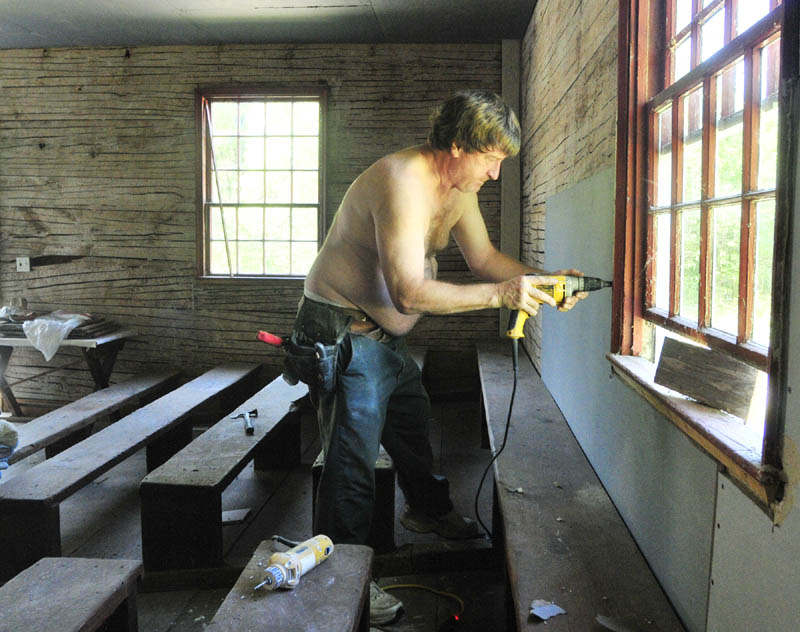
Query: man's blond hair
475	120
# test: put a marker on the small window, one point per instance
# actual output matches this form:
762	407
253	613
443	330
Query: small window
262	183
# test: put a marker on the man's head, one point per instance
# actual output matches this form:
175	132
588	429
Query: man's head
475	120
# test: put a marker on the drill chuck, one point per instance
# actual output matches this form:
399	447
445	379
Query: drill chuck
273	578
588	284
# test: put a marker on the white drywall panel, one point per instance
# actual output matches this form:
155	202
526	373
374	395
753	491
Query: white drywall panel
756	570
661	483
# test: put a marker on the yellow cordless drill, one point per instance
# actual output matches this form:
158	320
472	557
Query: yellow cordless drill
567	286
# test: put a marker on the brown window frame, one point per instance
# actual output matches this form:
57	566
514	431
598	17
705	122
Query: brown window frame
205	167
645	64
702	77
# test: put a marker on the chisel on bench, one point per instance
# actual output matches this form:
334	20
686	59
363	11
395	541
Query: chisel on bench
248	422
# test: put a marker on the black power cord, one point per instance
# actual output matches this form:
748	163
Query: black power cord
515	356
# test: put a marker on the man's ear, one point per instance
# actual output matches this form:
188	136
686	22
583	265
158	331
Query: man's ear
455	150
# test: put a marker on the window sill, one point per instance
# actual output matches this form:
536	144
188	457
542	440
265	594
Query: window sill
718	433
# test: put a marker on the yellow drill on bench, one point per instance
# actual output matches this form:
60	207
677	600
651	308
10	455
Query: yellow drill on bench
567	286
286	568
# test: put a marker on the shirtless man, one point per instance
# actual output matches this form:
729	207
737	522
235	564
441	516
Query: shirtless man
373	279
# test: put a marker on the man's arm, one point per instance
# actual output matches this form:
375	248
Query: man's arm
483	259
486	262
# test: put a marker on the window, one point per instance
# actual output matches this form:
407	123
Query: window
699	200
711	212
262	182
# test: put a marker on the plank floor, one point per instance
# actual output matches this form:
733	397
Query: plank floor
102	520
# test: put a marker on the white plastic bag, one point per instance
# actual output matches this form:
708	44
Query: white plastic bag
8	434
46	333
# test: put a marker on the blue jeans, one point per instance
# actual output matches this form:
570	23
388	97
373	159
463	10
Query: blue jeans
378	398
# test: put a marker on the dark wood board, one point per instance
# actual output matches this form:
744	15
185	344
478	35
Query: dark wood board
57	478
711	377
329	597
49	428
564	540
67	594
215	457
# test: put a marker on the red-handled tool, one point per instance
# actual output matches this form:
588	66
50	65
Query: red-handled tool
270	339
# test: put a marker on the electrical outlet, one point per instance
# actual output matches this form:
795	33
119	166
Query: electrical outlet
23	264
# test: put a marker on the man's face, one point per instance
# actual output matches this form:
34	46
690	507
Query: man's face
476	167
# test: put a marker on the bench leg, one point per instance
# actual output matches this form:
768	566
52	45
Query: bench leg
67	442
181	527
100	361
126	617
5	389
498	533
281	450
484	424
28	532
162	449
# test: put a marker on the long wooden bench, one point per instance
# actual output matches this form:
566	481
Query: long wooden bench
333	596
181	501
65	426
65	594
29	502
564	541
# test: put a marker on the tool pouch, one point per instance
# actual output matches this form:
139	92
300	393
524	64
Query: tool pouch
315	366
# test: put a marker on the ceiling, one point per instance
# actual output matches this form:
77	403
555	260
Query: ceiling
52	23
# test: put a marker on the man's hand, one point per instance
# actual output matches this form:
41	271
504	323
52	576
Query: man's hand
570	301
522	293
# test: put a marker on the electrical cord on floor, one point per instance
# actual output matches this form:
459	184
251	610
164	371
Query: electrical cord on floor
452	622
515	356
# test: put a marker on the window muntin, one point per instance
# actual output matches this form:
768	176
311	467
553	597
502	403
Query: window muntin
262	174
713	169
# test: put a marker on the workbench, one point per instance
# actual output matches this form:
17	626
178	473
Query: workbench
99	352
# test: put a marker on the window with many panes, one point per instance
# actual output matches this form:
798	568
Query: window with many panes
699	199
712	168
262	182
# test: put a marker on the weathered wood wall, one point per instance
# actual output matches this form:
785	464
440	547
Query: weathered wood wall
569	101
98	161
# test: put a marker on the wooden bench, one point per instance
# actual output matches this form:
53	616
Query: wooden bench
563	540
29	502
181	501
65	426
334	596
65	594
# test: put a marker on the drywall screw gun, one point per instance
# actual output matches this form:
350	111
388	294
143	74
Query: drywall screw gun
286	568
567	286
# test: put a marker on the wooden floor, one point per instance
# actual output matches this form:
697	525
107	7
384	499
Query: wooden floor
102	520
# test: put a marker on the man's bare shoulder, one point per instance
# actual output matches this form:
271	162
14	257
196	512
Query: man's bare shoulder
410	165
